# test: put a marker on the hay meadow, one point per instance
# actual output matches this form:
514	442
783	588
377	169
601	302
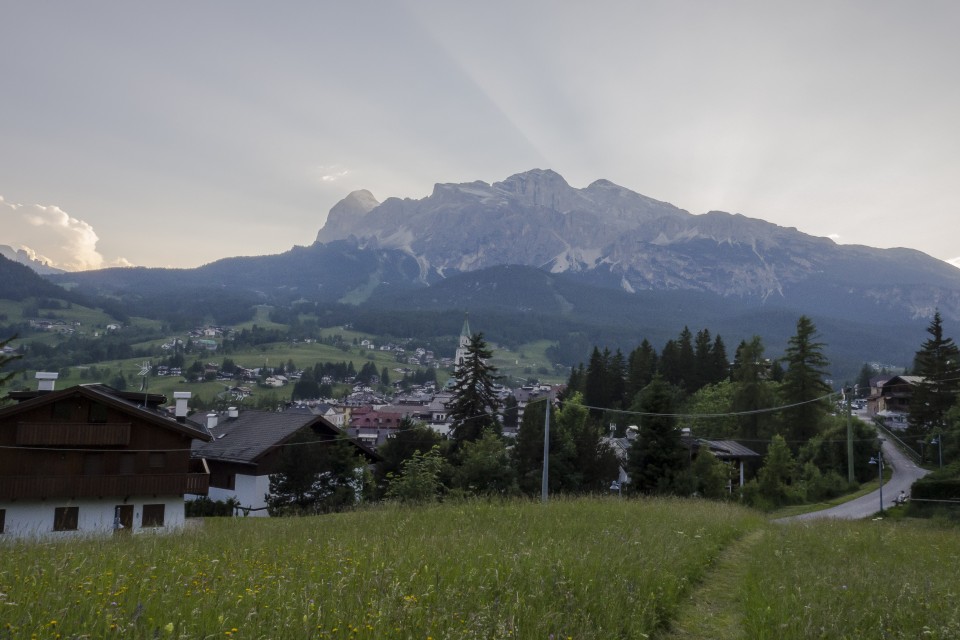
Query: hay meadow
574	568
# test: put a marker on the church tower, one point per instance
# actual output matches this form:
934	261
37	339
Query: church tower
461	355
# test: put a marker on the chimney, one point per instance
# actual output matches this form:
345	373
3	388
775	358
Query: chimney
211	420
48	380
182	398
232	413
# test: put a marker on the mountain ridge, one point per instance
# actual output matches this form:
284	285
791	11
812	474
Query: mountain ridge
537	219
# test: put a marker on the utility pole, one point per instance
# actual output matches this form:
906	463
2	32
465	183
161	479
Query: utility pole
850	477
546	454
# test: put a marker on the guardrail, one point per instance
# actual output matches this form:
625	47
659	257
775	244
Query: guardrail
903	446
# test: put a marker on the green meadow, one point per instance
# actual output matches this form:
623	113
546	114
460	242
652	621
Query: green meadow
578	568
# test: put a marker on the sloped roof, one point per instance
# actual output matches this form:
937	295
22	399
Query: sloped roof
141	405
252	434
729	449
909	380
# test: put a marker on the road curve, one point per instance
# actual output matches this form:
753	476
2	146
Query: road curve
904	474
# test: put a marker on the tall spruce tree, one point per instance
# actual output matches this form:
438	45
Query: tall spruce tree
474	405
596	387
657	458
703	360
937	363
803	384
752	392
617	380
720	370
641	367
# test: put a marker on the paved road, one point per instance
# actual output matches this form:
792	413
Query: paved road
905	472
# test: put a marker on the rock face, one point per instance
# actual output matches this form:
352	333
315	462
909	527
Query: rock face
24	258
347	213
611	234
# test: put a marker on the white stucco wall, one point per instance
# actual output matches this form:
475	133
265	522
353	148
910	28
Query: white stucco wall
250	491
25	519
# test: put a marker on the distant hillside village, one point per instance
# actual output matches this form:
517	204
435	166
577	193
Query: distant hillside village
63	450
95	458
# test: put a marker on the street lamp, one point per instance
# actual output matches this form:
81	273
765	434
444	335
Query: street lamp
939	444
615	486
878	460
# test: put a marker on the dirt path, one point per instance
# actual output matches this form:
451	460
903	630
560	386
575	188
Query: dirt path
711	610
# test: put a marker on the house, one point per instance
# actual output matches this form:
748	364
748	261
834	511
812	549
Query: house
247	446
90	459
892	401
728	451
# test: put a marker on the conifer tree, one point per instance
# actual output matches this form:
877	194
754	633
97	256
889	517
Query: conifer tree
641	367
721	365
616	380
596	388
475	404
657	458
938	364
803	383
6	359
752	392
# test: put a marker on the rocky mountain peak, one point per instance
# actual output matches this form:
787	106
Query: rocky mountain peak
344	214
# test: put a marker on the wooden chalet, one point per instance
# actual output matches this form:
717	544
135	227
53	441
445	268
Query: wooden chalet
247	446
91	459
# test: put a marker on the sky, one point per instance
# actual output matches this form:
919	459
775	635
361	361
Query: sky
172	134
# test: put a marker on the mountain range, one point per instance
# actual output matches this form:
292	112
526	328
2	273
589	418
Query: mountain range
615	237
536	257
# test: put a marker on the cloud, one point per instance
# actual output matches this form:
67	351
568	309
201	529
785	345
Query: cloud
332	173
955	262
48	233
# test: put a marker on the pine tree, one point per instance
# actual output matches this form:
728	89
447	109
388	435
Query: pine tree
803	383
720	370
596	389
687	361
938	364
752	392
6	359
641	367
657	457
616	380
703	360
475	404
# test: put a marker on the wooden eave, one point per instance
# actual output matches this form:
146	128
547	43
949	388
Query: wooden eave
91	393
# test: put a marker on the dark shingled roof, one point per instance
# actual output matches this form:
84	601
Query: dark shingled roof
144	405
729	449
252	434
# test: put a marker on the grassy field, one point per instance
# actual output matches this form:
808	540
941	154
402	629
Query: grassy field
572	569
601	568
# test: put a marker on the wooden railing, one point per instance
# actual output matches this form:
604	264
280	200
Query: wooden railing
40	487
64	434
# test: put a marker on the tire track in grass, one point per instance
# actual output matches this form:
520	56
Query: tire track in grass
711	611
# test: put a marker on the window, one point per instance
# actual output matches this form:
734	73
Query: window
93	464
158	460
66	518
223	480
152	515
3	517
98	413
128	463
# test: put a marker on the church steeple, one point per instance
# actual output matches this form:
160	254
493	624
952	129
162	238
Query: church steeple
461	354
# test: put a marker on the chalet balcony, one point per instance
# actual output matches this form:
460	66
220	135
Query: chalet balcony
102	486
64	434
